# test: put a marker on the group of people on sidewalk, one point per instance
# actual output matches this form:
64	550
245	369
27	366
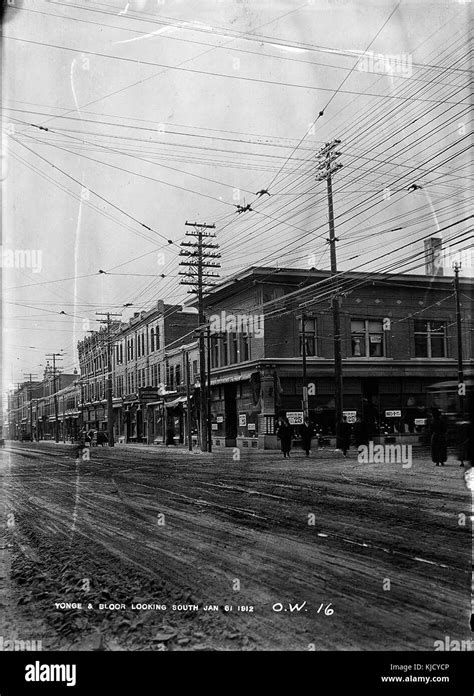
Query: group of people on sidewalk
439	440
285	434
359	433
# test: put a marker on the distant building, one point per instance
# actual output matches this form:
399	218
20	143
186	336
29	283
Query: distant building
35	407
139	369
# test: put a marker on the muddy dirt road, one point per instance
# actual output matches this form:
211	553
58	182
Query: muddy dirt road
325	554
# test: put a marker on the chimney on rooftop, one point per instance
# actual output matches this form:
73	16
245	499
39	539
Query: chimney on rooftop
433	256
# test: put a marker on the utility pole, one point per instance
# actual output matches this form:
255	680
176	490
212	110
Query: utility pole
461	385
30	401
110	405
305	383
188	402
209	424
198	261
327	167
56	421
64	418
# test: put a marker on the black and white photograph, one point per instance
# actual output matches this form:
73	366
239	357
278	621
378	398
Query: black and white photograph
237	269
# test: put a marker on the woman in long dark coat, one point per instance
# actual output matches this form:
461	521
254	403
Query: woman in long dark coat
306	432
343	435
438	440
285	435
361	433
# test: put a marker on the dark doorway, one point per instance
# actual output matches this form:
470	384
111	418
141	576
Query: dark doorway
370	403
230	401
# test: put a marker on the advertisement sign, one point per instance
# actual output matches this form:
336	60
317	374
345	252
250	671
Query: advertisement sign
393	414
350	415
295	417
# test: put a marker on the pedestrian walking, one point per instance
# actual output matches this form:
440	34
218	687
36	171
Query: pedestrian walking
170	435
361	433
307	433
438	439
343	435
285	435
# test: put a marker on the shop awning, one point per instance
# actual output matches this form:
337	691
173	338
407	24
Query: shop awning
176	402
228	379
231	378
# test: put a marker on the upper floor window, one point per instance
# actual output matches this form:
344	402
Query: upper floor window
214	351
155	375
309	334
245	347
430	339
178	375
367	338
152	340
225	349
234	348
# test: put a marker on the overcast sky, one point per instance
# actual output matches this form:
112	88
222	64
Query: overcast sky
199	106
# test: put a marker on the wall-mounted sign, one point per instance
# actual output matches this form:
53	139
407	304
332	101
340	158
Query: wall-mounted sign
393	414
295	417
242	419
214	426
251	426
220	419
420	421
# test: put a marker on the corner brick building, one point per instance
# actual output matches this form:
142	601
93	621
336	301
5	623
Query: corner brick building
398	337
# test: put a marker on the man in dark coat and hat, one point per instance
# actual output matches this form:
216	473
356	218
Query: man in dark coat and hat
343	435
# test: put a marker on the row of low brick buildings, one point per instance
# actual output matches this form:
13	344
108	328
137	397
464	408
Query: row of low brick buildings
398	337
46	409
